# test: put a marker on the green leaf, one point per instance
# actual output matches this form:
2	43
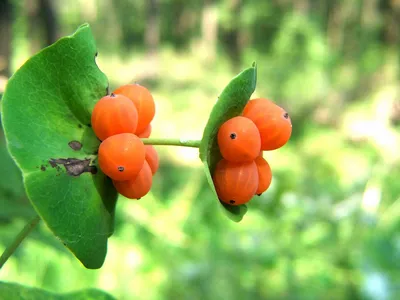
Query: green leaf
46	111
13	291
230	103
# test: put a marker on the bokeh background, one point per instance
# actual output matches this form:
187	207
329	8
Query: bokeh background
328	228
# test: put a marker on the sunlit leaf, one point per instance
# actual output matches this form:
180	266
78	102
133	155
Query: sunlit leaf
46	111
230	103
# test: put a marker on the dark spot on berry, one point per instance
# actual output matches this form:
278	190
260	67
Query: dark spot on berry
259	195
286	115
233	136
75	145
232	201
121	169
112	95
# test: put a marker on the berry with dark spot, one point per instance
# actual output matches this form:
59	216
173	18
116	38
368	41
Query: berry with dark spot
239	140
121	156
235	183
138	186
272	121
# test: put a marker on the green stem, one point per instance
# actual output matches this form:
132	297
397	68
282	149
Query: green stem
172	142
18	240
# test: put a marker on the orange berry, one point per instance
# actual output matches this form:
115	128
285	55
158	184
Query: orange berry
143	101
239	140
152	158
121	156
272	121
137	187
235	183
146	132
264	175
112	115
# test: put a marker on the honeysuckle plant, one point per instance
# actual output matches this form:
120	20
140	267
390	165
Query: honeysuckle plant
46	116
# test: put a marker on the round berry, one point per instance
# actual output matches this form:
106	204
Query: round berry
239	140
112	115
272	121
137	187
146	132
121	156
264	175
143	101
235	183
152	158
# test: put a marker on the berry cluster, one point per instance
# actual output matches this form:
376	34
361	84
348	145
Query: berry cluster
119	120
243	172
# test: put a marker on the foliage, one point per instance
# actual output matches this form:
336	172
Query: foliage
230	103
53	95
329	224
16	291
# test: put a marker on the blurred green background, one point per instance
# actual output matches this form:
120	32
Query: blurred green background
329	226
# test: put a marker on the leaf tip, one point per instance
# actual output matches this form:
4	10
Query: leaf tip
84	25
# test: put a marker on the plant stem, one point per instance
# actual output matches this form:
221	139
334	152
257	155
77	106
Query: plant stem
172	142
18	240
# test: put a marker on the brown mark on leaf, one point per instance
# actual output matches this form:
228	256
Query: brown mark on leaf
43	168
53	164
80	126
73	166
75	145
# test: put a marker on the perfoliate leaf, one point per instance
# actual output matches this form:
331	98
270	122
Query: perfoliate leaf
230	103
46	112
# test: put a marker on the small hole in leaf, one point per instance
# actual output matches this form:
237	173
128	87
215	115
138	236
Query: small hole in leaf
121	169
233	136
232	201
